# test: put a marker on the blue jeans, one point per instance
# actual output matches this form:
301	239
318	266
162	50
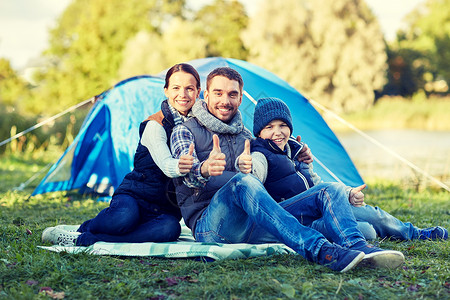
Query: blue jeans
126	221
243	212
373	222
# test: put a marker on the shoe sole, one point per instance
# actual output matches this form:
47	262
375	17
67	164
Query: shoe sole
354	262
388	259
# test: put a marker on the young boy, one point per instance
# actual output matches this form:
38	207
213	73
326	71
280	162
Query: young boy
274	160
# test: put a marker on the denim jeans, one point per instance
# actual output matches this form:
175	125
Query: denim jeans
125	220
243	212
373	222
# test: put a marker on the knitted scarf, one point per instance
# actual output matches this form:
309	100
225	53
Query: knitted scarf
204	117
177	117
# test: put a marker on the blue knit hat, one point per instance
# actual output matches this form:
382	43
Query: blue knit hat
269	109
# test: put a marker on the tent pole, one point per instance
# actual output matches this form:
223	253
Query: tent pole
374	141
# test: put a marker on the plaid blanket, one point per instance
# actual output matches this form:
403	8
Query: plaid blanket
185	247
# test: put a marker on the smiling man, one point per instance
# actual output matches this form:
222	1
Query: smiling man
221	205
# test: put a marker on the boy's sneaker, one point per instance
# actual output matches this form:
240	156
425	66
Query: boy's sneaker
379	258
57	236
433	233
68	228
338	258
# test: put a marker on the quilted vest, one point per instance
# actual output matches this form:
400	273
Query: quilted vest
284	179
146	182
193	201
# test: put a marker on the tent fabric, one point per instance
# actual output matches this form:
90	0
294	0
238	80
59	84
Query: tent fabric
102	152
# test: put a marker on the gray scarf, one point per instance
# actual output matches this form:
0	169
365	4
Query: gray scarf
205	118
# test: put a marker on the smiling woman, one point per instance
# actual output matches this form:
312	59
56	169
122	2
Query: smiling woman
143	208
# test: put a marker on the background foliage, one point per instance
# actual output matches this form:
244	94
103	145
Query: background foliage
420	57
330	50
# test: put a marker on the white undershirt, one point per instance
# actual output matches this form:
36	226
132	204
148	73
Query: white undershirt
155	140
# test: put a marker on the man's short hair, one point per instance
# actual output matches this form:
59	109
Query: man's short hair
227	72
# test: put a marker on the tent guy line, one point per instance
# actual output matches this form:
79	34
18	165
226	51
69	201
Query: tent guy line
377	143
46	121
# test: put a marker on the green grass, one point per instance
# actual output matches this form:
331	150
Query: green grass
26	270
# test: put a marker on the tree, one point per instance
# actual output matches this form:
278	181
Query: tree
150	52
214	30
86	47
427	39
404	77
330	50
223	22
12	88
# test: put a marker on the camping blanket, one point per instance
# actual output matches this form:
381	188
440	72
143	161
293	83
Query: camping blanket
185	247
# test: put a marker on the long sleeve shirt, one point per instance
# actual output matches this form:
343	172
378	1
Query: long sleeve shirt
181	139
154	138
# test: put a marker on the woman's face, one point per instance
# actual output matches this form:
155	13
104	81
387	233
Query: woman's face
182	91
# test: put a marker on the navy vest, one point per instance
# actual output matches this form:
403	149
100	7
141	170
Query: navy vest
284	179
146	182
193	201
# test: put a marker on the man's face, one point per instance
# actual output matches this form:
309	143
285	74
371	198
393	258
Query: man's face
223	98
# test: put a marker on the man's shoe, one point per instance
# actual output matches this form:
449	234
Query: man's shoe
379	258
433	233
68	228
338	258
57	236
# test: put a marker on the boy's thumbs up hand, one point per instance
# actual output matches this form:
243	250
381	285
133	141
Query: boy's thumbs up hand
186	161
245	159
305	154
356	196
215	164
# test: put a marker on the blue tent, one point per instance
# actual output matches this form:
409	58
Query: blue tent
102	152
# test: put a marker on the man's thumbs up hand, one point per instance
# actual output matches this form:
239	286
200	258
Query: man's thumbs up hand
216	144
245	159
215	164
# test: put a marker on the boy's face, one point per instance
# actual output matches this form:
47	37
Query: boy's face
278	132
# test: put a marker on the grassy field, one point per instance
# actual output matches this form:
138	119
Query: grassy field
27	272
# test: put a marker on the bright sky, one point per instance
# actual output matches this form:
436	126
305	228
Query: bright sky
24	24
